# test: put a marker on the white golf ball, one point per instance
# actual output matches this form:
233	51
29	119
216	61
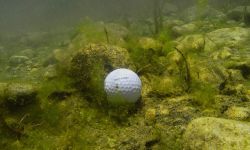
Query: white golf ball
123	85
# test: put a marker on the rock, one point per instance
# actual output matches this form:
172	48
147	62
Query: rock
244	67
240	13
59	55
191	43
223	54
165	86
50	72
184	29
227	37
113	56
17	60
150	115
214	133
12	123
17	94
238	113
235	75
89	65
149	43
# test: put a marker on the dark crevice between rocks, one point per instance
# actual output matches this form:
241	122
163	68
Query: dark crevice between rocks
151	143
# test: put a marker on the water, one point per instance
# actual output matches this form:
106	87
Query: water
192	58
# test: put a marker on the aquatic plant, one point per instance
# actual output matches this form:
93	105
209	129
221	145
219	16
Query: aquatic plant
204	94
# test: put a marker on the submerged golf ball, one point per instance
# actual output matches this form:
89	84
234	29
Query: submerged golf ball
123	85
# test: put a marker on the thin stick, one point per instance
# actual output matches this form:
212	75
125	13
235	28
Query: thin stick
188	76
106	34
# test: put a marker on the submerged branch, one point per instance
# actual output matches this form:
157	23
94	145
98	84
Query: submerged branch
106	34
188	76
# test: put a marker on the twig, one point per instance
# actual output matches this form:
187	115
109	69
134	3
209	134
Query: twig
188	76
106	34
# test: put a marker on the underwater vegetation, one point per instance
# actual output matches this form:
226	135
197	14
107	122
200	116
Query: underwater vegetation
193	61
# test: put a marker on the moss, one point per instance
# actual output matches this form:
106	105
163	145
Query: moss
149	60
88	73
57	84
166	86
204	94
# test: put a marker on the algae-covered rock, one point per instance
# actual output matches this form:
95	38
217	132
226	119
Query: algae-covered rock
17	60
50	72
238	113
243	66
90	65
184	29
149	43
191	43
230	37
214	133
12	123
224	53
19	94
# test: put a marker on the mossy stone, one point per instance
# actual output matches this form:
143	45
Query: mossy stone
19	94
215	133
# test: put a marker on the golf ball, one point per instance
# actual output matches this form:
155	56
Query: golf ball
123	85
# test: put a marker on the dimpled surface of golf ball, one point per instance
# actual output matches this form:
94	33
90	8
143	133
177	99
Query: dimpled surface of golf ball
123	84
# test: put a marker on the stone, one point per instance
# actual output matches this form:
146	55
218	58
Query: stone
184	29
19	94
17	60
235	75
238	113
12	123
50	72
233	38
215	133
244	67
149	43
225	53
89	65
150	114
191	43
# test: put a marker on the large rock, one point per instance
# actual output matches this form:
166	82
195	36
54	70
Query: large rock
235	38
17	94
90	65
214	133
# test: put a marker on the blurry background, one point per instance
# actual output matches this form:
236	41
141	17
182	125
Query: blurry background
40	15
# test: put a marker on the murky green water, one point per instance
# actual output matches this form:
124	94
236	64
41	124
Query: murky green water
193	58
